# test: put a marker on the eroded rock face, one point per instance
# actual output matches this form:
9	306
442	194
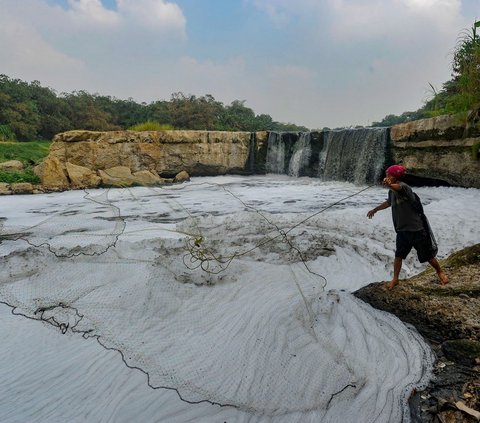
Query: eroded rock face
140	157
439	148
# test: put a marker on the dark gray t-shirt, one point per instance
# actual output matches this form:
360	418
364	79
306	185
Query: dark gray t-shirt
405	218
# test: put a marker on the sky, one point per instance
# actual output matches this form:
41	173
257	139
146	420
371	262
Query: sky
315	63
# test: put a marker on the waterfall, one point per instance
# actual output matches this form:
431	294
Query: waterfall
275	154
353	155
302	152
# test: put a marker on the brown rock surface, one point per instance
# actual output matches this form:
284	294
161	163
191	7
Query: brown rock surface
449	318
81	177
11	166
52	172
181	177
5	188
118	176
145	177
439	148
166	152
21	188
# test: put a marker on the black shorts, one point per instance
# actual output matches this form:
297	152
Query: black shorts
420	240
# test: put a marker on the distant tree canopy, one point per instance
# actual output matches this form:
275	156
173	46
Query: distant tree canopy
458	95
29	111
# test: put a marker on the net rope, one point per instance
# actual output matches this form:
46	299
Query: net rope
206	261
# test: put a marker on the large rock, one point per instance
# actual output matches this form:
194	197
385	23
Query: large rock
145	177
11	166
439	148
52	173
118	176
21	188
5	188
81	177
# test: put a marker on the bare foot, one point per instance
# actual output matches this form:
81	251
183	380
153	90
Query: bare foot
392	284
443	277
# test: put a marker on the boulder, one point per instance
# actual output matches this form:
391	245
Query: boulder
145	177
182	176
11	166
81	177
5	188
118	176
53	174
21	188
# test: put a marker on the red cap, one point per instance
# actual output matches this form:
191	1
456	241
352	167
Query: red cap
397	171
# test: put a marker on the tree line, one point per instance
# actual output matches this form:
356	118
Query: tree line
459	95
30	111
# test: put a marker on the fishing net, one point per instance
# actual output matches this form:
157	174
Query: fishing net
214	295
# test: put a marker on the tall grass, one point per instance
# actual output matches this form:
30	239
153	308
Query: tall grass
151	125
6	134
28	153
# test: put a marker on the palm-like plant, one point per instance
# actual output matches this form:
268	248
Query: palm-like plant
466	70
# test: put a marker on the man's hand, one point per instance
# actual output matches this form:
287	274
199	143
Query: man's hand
383	206
388	181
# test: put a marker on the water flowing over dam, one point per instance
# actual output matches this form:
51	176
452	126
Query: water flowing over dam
354	155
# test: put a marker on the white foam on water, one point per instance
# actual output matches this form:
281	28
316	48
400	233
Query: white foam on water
263	337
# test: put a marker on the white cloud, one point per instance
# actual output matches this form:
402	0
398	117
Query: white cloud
156	14
26	55
394	19
92	12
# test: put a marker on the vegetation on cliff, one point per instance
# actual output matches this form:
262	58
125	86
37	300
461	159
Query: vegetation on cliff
459	95
29	153
29	111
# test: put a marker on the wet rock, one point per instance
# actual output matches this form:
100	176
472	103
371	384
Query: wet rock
449	318
182	176
5	188
21	188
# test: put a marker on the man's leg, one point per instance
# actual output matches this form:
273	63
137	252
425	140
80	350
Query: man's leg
442	276
397	265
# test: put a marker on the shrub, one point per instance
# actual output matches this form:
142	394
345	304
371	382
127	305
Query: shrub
6	134
25	176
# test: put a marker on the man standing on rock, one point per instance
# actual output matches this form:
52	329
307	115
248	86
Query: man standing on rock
410	225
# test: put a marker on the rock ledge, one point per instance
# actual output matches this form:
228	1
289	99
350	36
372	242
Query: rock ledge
449	319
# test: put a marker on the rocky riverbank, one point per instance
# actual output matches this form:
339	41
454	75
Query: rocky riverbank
449	319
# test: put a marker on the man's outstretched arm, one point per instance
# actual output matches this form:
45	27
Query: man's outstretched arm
383	206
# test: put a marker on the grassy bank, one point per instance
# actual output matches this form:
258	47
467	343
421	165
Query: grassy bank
29	153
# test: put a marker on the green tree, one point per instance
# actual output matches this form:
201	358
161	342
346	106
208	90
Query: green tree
84	113
158	111
191	112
